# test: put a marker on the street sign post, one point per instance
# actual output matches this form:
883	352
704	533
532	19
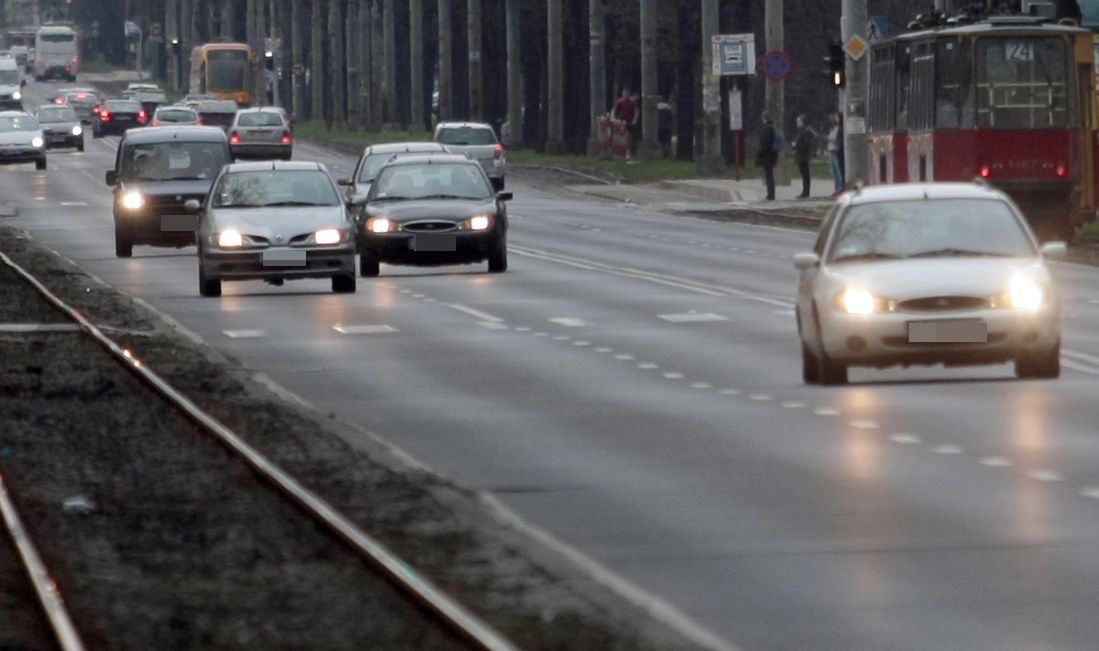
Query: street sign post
734	54
736	125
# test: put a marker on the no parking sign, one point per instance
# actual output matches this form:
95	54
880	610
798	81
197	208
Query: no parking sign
776	65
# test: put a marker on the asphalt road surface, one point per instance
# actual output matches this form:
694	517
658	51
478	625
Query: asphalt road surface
632	385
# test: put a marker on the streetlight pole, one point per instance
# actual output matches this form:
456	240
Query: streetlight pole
710	163
855	149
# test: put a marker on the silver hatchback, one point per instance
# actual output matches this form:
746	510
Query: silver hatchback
260	133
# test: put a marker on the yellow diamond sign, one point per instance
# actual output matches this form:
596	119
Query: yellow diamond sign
855	47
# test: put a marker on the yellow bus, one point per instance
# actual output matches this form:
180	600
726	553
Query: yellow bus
223	70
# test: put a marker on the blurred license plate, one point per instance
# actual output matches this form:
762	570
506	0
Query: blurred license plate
284	258
424	242
956	331
177	223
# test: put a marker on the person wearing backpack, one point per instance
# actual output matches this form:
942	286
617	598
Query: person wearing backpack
768	153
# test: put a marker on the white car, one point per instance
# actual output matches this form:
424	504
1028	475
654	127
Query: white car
946	273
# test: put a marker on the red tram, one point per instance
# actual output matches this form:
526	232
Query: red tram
1006	99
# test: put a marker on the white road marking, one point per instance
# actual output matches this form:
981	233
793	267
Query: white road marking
1046	475
826	411
672	375
522	329
730	392
363	329
995	462
625	357
244	334
1091	491
692	317
648	366
1078	367
569	322
73	203
946	449
581	343
760	397
477	314
493	325
540	334
783	312
863	424
417	296
904	439
793	404
701	385
604	349
562	338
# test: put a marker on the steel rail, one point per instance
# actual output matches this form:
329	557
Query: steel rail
420	588
45	588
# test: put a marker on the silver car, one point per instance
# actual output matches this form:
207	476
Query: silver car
175	115
260	133
925	274
372	160
274	221
60	126
21	139
478	141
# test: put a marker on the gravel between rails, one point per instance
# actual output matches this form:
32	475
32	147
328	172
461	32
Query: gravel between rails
23	627
181	547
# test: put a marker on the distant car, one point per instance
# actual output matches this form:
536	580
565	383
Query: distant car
925	274
60	126
260	133
175	115
118	115
156	171
478	141
274	221
194	99
433	209
21	139
150	100
138	85
217	112
83	104
372	159
11	85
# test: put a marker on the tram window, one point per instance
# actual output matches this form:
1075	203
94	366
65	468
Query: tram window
922	95
949	86
1022	83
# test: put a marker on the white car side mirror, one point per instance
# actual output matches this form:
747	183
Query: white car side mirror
806	260
1054	249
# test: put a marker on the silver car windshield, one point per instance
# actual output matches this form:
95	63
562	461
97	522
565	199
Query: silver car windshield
58	114
431	181
275	188
929	228
19	123
173	160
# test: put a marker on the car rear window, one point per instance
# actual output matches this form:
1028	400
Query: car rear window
122	105
259	119
218	106
176	115
466	136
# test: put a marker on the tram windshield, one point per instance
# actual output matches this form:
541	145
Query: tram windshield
1023	83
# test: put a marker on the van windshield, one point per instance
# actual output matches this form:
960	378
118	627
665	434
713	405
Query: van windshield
173	161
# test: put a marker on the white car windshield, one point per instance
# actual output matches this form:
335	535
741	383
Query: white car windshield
56	114
431	181
19	123
9	78
929	228
275	188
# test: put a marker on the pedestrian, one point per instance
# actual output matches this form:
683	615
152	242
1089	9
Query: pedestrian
664	120
804	143
835	152
625	109
767	156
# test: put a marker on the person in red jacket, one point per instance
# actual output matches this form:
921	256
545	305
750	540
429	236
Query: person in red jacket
626	110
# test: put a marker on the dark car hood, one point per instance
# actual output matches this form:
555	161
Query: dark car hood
161	188
456	209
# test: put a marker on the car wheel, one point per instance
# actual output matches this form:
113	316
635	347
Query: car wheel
810	366
210	287
40	164
498	259
80	147
1040	366
369	265
343	284
122	247
830	372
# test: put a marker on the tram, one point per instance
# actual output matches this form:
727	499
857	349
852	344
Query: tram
1009	99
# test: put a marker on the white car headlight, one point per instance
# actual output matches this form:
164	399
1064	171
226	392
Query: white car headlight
857	301
77	130
327	236
37	141
380	225
17	95
132	200
479	222
230	239
1025	294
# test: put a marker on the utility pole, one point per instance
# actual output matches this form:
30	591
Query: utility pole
366	116
775	90
297	60
377	58
855	149
649	147
185	42
476	77
351	44
259	60
171	37
515	76
416	64
597	33
711	162
316	61
389	82
446	65
555	126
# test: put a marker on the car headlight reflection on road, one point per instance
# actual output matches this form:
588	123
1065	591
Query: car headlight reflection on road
77	130
857	301
37	141
479	222
380	225
327	236
132	200
230	239
1025	294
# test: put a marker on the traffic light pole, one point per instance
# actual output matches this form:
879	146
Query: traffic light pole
856	150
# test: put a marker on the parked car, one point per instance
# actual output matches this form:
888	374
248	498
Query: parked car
274	221
21	139
174	115
260	133
118	115
478	141
433	209
217	112
156	171
945	273
60	126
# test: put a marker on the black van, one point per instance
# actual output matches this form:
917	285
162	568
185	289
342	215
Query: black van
155	171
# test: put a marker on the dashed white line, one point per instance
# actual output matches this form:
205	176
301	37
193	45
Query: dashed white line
995	462
477	314
904	439
701	385
244	334
522	329
760	397
648	366
604	349
569	322
947	449
581	343
826	411
672	375
624	357
493	325
1091	492
863	424
692	317
793	404
1046	475
562	338
730	392
363	329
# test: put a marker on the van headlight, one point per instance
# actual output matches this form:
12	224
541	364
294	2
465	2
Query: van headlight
132	200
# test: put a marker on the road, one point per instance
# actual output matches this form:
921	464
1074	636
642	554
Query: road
632	386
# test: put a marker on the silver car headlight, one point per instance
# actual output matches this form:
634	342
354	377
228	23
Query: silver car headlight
478	223
37	142
1025	294
132	200
856	301
77	130
328	236
230	239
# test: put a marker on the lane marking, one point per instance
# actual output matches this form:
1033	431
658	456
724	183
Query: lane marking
793	404
569	322
692	317
492	325
522	329
581	343
730	392
1046	475
672	375
604	349
760	397
244	334
469	311
826	411
624	357
73	203
863	424
1080	368
363	329
1091	492
947	449
995	462
701	385
904	439
648	366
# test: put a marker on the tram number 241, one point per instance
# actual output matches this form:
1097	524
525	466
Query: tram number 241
1018	50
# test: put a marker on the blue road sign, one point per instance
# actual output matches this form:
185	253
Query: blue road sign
776	65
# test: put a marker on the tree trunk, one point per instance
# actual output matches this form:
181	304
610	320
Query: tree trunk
228	20
336	62
297	59
351	44
377	56
446	63
515	76
476	78
597	30
416	65
649	147
171	33
554	72
316	59
366	73
389	82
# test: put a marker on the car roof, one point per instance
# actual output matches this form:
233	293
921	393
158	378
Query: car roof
915	191
277	165
404	147
52	105
431	159
461	125
260	109
144	135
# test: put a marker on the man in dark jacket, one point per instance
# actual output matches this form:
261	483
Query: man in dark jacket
767	156
804	144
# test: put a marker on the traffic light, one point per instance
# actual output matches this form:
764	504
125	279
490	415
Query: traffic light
837	65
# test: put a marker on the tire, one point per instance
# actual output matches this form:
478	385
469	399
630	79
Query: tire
831	373
40	164
80	147
123	248
498	259
810	366
343	284
1042	366
209	287
369	265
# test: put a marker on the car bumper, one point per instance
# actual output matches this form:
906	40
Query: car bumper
261	150
63	140
883	339
250	265
171	228
23	155
402	248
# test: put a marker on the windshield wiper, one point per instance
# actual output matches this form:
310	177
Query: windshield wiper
186	178
866	256
954	252
293	203
448	196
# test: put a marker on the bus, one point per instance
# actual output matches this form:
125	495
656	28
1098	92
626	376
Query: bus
224	71
55	53
1006	99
